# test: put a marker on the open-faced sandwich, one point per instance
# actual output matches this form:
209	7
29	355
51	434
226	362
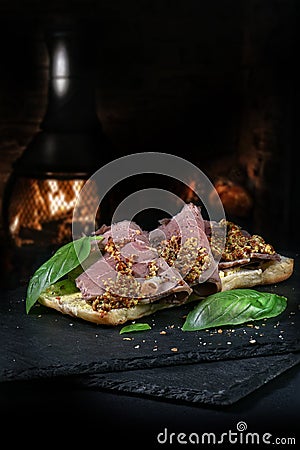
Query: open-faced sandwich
123	273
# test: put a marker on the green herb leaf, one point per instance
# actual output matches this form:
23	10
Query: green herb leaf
135	327
66	258
234	307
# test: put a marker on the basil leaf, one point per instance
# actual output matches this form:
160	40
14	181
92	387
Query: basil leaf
234	307
65	259
135	327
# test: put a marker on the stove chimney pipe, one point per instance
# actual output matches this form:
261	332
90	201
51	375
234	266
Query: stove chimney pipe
71	141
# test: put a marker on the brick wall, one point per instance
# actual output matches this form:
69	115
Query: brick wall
185	77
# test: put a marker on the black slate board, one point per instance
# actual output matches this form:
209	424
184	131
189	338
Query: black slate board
212	383
46	343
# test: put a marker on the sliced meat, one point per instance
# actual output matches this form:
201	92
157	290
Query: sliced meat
134	271
182	241
240	248
182	254
88	283
253	258
210	286
122	232
265	256
139	251
237	262
186	223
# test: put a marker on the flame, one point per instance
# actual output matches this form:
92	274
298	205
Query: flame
14	226
46	206
190	191
57	199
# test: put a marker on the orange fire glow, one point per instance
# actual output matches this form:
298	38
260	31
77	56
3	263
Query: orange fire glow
43	205
58	201
189	194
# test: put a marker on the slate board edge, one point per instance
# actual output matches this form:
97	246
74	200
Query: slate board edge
189	395
146	362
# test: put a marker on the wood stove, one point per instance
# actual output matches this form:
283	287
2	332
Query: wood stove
215	83
48	177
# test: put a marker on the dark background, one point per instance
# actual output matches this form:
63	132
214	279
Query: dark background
214	82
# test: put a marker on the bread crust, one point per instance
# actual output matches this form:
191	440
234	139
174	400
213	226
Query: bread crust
270	272
75	306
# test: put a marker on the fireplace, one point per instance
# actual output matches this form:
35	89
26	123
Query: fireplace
212	83
51	172
40	209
